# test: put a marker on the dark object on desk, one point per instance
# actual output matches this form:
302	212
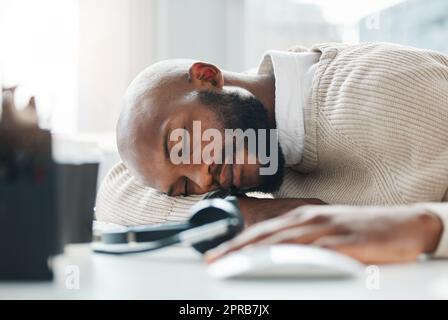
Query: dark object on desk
75	199
43	205
213	221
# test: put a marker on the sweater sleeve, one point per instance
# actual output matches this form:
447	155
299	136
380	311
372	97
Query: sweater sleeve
122	200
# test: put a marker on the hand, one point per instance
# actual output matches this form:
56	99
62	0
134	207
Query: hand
372	235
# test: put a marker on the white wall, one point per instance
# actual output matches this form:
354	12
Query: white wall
38	52
199	29
118	38
114	44
82	54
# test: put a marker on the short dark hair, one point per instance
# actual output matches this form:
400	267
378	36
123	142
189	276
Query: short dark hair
235	110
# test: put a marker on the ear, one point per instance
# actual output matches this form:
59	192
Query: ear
204	75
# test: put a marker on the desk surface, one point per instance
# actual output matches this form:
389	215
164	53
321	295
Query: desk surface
179	273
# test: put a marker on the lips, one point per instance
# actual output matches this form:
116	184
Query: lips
228	175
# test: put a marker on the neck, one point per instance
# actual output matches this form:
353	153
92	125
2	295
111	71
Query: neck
261	86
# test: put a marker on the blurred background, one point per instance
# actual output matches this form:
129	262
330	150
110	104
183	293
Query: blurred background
78	56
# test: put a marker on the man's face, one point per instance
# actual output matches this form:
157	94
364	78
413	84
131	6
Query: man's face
179	128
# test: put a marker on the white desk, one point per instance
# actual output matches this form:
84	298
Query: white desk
179	273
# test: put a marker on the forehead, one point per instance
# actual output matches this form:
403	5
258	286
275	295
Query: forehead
145	156
145	151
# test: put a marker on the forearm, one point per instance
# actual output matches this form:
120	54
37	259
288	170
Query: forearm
433	227
437	234
258	209
370	234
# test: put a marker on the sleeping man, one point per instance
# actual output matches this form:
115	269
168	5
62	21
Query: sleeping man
360	128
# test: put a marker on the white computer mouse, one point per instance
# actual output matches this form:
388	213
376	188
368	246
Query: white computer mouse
285	260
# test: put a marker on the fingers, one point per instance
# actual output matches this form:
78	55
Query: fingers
252	234
291	229
351	246
300	235
367	252
346	244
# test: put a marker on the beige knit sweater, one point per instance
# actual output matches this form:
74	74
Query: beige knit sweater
376	134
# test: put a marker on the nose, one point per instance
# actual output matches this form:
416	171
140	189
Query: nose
201	178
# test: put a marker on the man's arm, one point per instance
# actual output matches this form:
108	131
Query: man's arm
441	211
122	200
369	234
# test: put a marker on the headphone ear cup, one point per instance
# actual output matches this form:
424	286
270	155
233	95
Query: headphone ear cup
212	210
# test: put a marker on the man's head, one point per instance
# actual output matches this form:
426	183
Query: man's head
176	102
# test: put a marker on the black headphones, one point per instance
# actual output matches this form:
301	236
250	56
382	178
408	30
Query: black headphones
213	221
